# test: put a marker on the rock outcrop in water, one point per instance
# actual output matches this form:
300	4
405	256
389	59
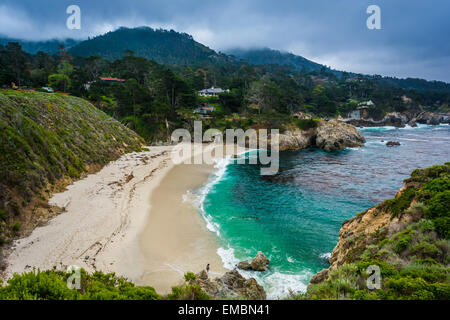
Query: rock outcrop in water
259	263
392	143
337	135
328	135
231	285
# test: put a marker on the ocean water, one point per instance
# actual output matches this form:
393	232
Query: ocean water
295	217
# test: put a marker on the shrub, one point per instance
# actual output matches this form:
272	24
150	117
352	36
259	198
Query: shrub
187	292
16	227
403	240
305	124
189	276
51	285
438	206
398	205
3	215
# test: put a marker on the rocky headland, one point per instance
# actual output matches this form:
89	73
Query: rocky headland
329	136
406	238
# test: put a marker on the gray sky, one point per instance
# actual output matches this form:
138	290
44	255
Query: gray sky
413	41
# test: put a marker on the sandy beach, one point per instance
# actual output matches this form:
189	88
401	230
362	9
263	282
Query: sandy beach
128	218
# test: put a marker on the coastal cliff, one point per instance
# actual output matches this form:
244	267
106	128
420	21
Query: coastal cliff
406	237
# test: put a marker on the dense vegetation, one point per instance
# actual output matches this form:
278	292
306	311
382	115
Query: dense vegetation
264	90
162	46
52	285
45	138
268	56
47	46
413	261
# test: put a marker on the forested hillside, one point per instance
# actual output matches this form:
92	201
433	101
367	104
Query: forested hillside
269	56
162	46
154	98
48	46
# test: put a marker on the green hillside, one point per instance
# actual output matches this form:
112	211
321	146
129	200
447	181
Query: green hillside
269	56
46	141
47	46
162	46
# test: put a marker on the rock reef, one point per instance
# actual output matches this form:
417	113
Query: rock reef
328	135
259	263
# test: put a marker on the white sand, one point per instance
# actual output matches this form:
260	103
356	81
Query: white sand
128	218
105	212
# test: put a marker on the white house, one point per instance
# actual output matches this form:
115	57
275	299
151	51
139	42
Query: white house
211	92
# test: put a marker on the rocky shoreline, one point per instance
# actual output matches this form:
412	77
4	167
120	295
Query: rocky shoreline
329	136
400	120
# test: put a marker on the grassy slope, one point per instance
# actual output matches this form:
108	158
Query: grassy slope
413	256
48	140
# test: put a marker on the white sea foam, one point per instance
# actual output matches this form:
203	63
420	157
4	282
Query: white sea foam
278	285
326	255
198	196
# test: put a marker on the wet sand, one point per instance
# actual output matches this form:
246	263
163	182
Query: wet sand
176	239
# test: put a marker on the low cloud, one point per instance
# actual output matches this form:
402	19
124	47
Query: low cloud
413	40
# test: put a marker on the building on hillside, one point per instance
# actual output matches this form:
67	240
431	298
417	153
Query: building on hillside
406	100
362	111
112	79
211	92
205	110
48	89
88	84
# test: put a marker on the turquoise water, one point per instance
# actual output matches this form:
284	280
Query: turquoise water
295	217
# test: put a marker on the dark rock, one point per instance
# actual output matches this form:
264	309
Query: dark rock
412	123
434	121
232	285
260	262
319	277
392	143
244	265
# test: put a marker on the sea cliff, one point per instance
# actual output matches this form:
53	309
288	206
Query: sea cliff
407	238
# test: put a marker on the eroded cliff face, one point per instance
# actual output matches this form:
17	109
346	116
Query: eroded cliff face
407	237
358	233
328	135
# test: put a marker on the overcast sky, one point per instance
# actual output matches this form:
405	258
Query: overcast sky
414	40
